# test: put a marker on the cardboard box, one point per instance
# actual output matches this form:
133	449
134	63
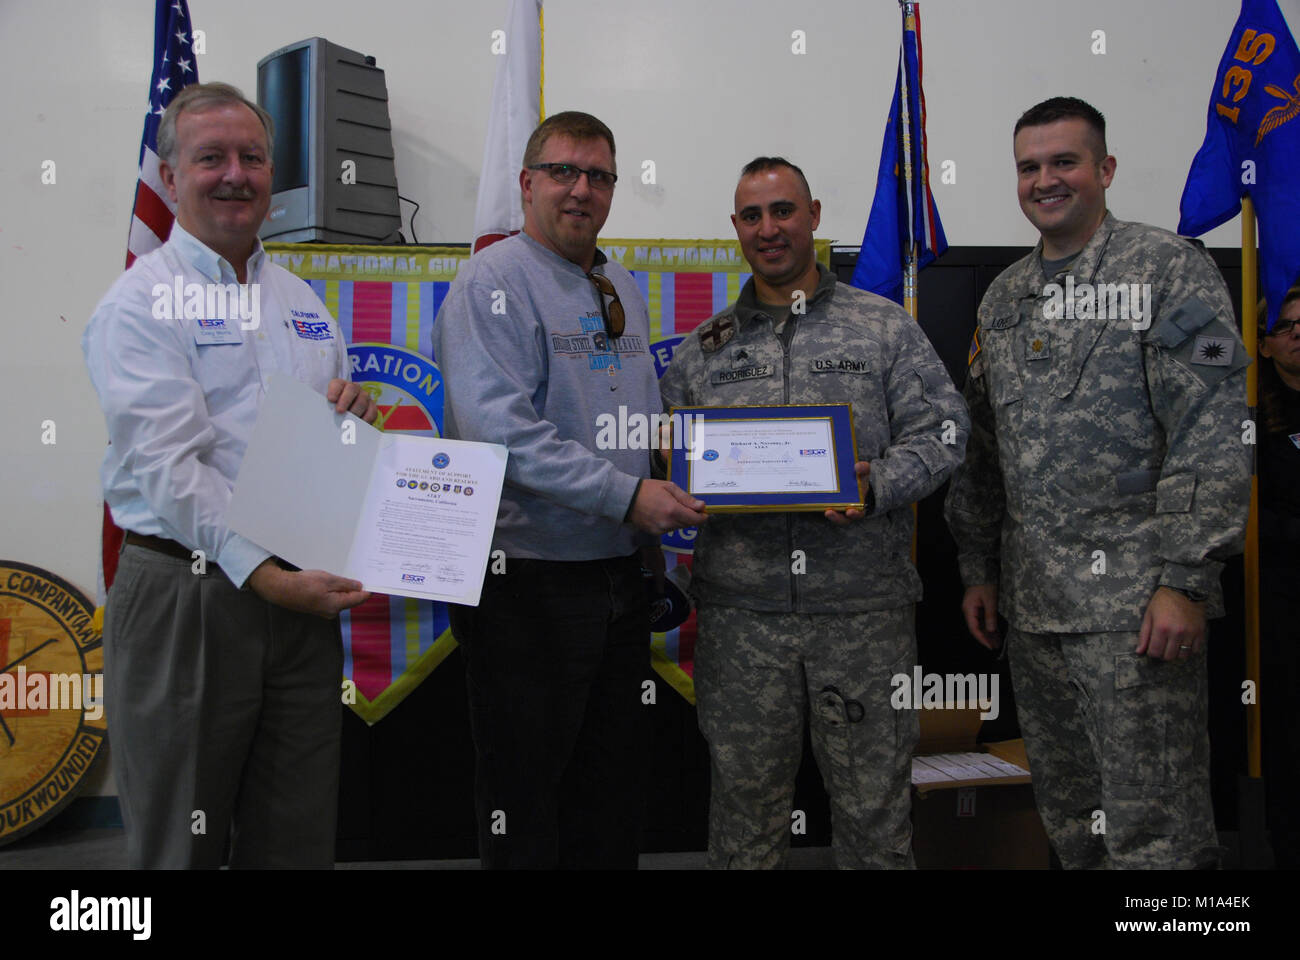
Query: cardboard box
972	805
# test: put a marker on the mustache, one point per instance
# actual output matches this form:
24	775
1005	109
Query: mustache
241	194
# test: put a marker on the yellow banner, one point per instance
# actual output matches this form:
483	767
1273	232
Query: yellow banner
328	261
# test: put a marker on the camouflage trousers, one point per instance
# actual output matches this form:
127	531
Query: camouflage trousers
1118	749
757	675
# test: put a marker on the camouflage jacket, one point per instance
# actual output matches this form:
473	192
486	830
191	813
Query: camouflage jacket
1106	454
850	346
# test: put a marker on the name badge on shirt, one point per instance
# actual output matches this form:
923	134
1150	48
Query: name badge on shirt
216	330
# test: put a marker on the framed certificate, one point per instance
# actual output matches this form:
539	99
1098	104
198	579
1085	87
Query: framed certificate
775	459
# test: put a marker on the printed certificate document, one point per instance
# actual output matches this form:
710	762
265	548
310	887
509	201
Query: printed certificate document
763	456
410	516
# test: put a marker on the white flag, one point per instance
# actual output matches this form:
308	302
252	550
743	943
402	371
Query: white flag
516	111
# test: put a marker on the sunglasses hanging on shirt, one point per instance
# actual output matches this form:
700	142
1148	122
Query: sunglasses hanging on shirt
615	319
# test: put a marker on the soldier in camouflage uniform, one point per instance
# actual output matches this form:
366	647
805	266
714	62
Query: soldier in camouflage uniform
1105	481
799	611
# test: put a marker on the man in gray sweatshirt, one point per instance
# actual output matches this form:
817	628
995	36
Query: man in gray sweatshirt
540	341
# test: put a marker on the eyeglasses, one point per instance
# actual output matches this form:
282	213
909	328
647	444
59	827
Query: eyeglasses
567	174
1282	328
615	319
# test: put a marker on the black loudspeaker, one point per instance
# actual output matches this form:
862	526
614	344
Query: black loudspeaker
334	179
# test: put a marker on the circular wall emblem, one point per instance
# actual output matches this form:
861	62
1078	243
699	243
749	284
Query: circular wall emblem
51	696
406	386
440	460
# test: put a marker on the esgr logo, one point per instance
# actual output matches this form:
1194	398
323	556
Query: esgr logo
440	460
812	453
413	578
309	330
710	455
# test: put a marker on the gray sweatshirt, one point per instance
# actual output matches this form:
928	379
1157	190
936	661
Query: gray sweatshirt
526	363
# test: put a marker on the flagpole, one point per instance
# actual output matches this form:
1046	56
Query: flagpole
541	62
1249	299
1252	812
908	10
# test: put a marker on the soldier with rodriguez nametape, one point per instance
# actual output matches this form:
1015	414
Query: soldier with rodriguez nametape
797	610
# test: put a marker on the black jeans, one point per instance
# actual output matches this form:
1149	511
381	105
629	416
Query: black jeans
555	655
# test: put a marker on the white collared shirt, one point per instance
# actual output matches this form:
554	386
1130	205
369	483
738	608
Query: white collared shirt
180	396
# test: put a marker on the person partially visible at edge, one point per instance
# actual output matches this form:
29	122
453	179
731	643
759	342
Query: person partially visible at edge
1279	570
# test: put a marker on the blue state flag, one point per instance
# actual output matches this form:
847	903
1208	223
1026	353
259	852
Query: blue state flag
899	218
1252	146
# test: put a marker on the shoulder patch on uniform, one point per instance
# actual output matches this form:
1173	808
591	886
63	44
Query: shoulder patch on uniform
1180	323
715	334
974	347
1213	351
1212	355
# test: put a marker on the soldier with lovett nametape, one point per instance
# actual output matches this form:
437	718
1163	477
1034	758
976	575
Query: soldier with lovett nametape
1106	480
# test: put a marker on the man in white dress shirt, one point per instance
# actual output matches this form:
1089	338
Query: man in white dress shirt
222	666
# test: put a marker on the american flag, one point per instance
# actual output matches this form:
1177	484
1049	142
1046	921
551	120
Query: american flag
174	67
152	215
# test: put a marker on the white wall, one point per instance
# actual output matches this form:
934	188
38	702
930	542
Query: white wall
698	87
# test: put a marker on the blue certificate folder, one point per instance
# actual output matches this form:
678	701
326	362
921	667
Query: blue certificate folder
821	473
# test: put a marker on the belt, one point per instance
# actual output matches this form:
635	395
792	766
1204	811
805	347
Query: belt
160	545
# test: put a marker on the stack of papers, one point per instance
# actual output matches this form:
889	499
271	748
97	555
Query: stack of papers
955	767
